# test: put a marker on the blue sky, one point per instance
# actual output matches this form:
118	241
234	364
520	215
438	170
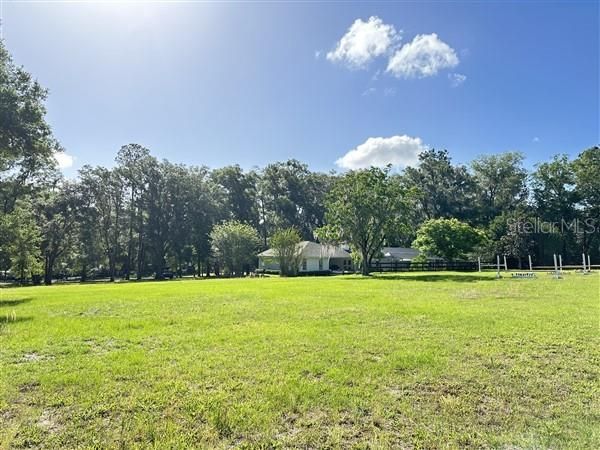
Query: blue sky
219	84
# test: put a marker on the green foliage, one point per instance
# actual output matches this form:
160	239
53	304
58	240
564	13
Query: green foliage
587	169
235	245
447	238
26	142
240	196
442	189
553	187
104	188
290	195
24	241
362	208
556	201
587	179
60	216
285	243
133	162
420	258
509	234
501	184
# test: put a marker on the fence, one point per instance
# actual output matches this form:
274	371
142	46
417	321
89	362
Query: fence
409	266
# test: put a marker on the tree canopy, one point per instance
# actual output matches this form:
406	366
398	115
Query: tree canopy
362	208
285	244
235	245
447	238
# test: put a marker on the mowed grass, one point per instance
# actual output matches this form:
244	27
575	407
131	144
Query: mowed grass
437	360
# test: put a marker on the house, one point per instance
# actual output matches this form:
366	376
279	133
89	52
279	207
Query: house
392	254
314	258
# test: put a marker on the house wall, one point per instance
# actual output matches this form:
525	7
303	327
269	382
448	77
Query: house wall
312	265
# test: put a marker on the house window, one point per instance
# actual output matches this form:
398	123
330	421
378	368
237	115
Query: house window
304	264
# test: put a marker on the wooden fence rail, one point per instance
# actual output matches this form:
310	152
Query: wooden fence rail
409	266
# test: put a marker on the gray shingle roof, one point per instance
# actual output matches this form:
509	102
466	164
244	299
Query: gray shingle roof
313	250
400	252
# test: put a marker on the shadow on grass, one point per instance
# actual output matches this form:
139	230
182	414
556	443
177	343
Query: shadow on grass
429	277
13	301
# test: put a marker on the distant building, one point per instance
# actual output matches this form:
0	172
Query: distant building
314	258
391	254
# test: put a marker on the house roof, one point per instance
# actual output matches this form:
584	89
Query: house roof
403	253
310	249
400	252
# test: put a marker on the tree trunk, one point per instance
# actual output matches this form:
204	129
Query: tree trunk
111	267
130	240
48	270
140	256
365	263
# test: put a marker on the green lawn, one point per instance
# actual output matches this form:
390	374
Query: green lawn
440	360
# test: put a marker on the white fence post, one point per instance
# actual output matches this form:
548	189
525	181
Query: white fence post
560	263
589	263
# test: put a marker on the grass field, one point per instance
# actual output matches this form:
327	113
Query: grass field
442	360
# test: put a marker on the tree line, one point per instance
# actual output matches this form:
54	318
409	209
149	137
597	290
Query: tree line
150	217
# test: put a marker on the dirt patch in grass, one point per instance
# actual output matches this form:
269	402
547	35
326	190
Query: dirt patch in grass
29	387
103	346
33	357
49	421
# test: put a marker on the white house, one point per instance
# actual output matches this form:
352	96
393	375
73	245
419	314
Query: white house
314	258
391	254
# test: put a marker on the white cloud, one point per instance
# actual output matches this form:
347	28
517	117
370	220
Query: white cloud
369	91
317	54
536	139
425	56
400	151
456	79
364	41
64	160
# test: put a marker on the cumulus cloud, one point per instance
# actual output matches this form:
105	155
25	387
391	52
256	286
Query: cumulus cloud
456	79
400	151
364	41
64	160
425	56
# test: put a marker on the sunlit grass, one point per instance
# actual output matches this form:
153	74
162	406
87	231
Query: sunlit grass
410	361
